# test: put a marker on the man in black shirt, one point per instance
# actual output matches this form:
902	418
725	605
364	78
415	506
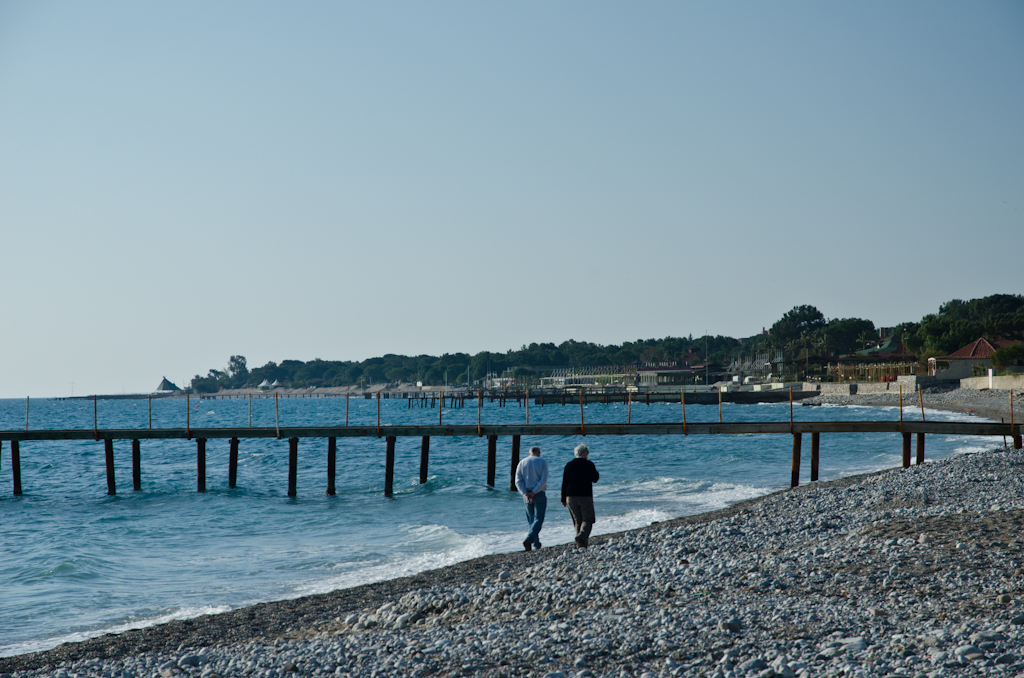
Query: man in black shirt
578	493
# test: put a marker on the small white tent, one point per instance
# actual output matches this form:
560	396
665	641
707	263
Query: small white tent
166	386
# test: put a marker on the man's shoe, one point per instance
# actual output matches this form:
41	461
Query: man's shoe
580	544
537	546
527	545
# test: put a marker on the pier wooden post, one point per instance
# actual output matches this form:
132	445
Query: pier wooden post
515	463
200	464
389	467
16	467
108	448
1018	440
492	456
332	453
136	466
424	458
920	449
906	450
233	461
795	479
293	462
815	445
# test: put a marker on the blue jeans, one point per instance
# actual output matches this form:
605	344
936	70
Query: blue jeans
535	516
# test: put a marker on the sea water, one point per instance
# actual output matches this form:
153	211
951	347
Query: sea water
77	563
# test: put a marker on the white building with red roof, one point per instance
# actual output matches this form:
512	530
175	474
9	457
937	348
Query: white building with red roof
960	363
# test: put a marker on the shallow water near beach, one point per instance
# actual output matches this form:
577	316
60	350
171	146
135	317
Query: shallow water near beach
77	563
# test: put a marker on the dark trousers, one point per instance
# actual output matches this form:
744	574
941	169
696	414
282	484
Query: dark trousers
582	511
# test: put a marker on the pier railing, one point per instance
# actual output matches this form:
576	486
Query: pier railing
492	432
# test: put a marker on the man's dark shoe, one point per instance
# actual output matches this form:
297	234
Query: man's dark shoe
580	543
527	545
537	546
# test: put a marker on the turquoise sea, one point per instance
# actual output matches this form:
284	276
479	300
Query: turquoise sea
77	563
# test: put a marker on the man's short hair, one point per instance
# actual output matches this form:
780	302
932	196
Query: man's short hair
535	450
581	450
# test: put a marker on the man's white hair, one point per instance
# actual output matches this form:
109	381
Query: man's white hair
581	450
535	450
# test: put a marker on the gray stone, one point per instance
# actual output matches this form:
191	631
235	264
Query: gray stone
982	636
733	625
756	664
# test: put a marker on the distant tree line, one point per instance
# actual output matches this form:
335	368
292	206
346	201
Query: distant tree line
800	332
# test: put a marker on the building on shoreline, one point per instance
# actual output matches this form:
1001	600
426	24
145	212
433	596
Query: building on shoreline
964	362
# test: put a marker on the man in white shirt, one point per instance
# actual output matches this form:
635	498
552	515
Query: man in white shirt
532	483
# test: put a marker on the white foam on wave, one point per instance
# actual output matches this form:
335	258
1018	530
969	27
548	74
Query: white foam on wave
50	643
428	547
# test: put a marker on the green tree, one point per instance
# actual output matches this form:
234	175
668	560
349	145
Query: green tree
238	371
374	374
397	374
1005	357
795	324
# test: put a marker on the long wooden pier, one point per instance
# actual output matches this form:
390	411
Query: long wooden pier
492	432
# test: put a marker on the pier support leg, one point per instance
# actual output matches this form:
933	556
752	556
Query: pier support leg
1018	441
906	450
108	448
424	458
293	462
16	466
920	449
389	467
200	464
136	466
332	455
232	462
515	463
492	458
815	445
795	479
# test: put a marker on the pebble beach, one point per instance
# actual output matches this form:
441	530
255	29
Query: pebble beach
912	572
990	404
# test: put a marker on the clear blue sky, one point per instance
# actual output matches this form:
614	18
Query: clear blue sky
183	181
